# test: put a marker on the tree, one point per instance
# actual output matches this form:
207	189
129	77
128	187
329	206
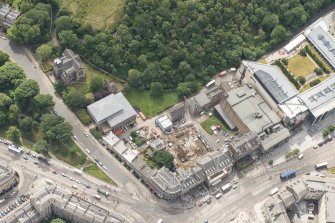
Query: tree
64	23
25	92
74	99
59	87
270	162
11	75
4	57
13	134
43	102
48	121
156	89
44	52
5	102
26	124
301	80
163	158
318	71
68	39
55	128
97	84
41	146
331	128
13	113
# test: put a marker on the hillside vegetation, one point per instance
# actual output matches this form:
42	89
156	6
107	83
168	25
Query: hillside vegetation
100	14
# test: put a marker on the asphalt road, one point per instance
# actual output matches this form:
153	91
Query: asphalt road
115	170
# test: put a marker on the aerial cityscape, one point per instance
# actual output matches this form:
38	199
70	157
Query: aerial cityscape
167	111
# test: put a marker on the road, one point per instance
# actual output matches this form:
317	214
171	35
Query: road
115	170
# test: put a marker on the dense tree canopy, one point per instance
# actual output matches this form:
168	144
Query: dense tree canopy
33	25
97	84
165	41
13	134
55	128
163	158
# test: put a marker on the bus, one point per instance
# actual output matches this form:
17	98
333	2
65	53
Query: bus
102	191
321	165
287	175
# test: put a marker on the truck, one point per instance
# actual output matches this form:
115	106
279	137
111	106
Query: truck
226	187
287	175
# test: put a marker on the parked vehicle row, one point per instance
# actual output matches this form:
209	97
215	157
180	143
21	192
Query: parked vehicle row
15	204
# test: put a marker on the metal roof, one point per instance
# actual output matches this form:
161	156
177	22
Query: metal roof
324	42
255	113
273	81
320	98
114	109
294	43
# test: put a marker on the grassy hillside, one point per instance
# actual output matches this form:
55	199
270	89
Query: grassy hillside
99	13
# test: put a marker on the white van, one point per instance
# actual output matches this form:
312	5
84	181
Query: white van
48	181
74	186
300	156
273	191
218	195
160	221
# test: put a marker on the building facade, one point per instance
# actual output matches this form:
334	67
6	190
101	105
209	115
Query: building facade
8	179
8	16
205	100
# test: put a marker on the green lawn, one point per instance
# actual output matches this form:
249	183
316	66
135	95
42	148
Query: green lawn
100	14
263	61
151	106
70	153
84	85
206	125
95	171
307	86
301	66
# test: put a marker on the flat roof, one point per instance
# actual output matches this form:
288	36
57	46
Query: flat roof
320	98
255	113
114	109
324	42
224	116
273	81
294	43
330	206
293	107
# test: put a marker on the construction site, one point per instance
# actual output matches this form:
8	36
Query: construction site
186	145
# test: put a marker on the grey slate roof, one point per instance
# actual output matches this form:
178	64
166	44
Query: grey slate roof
320	98
202	99
324	42
114	109
71	61
273	81
247	103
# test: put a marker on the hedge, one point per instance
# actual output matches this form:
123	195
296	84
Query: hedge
317	60
84	117
287	74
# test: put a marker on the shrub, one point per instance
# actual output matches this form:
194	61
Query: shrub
318	71
271	162
315	82
317	60
325	132
84	117
96	133
303	52
301	80
331	128
285	61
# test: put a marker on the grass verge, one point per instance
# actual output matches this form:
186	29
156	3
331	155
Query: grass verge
101	14
92	169
213	120
301	66
151	106
70	153
331	170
